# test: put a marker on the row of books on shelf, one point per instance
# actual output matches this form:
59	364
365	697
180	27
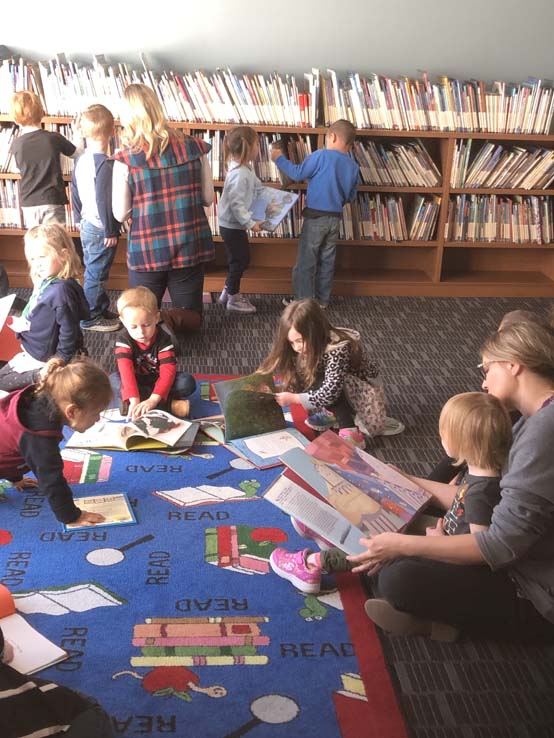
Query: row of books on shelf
396	164
375	101
517	219
495	165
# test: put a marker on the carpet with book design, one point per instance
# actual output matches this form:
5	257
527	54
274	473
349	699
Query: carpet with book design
176	623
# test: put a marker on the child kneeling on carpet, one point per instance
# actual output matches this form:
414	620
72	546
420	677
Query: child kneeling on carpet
475	429
147	375
32	420
327	371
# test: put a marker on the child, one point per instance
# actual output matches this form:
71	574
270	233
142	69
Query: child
32	421
49	323
91	197
240	148
475	429
326	370
332	181
37	155
147	374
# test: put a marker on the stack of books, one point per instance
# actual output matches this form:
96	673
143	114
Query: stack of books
397	164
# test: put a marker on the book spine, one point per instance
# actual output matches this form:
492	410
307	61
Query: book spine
199	660
239	640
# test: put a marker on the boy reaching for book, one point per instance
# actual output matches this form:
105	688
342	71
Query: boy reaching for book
147	375
332	181
475	429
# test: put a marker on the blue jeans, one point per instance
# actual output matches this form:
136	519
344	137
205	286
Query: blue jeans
183	386
312	275
98	260
185	285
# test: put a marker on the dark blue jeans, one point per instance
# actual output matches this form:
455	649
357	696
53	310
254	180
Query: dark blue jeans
313	273
98	260
183	386
185	285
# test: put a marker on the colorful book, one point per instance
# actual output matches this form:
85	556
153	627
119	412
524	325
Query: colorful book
115	508
271	206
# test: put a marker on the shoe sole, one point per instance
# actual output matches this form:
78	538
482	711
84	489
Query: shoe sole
248	311
101	328
320	542
300	584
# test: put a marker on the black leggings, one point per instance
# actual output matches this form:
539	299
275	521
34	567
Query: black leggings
237	249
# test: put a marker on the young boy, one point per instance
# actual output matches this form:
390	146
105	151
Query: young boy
332	181
37	155
91	197
147	375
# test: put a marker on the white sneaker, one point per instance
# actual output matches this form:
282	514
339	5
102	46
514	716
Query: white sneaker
392	427
240	304
222	299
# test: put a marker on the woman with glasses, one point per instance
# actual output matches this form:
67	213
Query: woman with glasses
497	583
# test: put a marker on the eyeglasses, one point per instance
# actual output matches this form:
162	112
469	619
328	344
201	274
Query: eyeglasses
484	367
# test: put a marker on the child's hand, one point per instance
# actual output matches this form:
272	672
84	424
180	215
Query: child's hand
143	407
436	531
26	483
257	227
286	398
109	243
88	518
275	151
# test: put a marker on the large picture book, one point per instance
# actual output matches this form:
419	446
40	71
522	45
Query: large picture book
32	651
254	425
154	431
271	206
344	493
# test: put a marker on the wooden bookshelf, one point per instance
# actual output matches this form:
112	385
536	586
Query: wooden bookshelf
436	267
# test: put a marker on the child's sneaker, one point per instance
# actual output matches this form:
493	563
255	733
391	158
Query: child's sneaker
240	304
306	532
224	296
353	436
392	427
106	323
293	566
321	421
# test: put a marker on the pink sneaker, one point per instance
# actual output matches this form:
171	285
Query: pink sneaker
292	566
306	532
353	436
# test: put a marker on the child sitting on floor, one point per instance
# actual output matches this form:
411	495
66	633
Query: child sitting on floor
147	375
475	429
327	371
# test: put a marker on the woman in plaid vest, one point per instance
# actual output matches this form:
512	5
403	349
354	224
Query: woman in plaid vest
162	181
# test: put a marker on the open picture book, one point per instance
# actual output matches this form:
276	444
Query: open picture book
32	651
343	493
271	206
154	431
254	426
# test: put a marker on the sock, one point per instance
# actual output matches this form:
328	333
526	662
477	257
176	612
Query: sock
314	560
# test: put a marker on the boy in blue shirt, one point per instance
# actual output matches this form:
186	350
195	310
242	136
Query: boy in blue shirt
332	181
91	197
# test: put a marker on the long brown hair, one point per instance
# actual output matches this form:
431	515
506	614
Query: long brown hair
81	382
238	143
298	371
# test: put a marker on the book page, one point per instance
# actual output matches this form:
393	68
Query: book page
32	650
272	444
271	206
5	307
116	510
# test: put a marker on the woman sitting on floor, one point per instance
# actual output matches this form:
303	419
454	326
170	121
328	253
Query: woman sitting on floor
497	583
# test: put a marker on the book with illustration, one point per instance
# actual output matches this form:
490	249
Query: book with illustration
271	206
31	650
344	493
154	431
254	426
115	508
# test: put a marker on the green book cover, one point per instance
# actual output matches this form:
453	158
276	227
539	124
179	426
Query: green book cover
92	468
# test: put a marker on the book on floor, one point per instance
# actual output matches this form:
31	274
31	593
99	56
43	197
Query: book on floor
271	206
154	431
343	493
32	650
254	425
115	508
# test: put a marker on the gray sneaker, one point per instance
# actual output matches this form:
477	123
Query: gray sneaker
105	324
222	299
240	304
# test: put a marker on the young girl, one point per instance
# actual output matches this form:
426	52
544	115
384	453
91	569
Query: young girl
475	429
326	370
240	148
49	325
32	419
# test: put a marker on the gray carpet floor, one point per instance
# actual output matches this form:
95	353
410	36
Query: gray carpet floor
428	349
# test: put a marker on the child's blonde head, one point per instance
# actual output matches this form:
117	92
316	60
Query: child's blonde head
138	298
55	238
26	108
145	127
344	130
477	429
97	123
81	383
238	144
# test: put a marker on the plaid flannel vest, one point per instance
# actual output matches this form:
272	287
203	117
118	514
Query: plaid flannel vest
169	228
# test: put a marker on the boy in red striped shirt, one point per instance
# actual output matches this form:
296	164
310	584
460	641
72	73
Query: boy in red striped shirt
147	375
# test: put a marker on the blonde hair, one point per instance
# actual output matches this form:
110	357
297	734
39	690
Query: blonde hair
26	108
477	429
145	127
529	343
138	297
97	122
238	144
344	130
298	371
81	383
55	238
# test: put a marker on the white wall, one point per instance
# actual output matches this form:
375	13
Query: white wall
489	39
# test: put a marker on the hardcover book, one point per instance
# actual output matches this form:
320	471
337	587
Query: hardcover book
271	206
115	508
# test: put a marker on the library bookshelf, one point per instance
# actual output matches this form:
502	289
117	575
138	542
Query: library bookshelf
442	266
